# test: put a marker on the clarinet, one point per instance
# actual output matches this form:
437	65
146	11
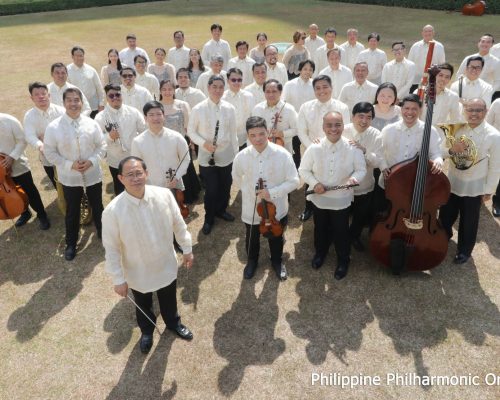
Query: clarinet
336	187
211	162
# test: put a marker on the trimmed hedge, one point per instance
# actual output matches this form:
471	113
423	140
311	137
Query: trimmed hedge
492	6
55	5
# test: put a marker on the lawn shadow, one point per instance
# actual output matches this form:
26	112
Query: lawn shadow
207	257
417	310
488	231
120	323
64	280
331	314
143	376
244	335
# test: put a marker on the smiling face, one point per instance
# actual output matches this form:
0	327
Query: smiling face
73	105
322	91
183	79
271	55
155	119
60	76
167	90
475	112
386	97
360	72
216	90
235	81
410	111
133	177
260	74
473	70
306	72
78	58
442	79
114	99
484	45
272	93
362	121
333	126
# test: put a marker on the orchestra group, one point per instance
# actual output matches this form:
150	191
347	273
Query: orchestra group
336	117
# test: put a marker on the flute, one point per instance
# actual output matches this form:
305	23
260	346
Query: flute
336	187
211	162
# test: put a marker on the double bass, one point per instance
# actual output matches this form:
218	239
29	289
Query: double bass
13	199
411	238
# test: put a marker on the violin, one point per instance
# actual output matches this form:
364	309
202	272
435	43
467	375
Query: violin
179	195
13	199
269	226
273	138
411	237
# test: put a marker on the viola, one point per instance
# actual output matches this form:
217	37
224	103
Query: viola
411	237
179	195
269	226
13	199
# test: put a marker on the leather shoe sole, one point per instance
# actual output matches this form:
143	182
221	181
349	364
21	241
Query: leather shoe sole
70	253
146	343
249	270
207	228
340	272
460	259
317	261
183	332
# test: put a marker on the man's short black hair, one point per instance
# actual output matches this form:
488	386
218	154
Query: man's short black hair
255	122
112	86
413	98
72	90
271	81
181	70
374	35
214	78
57	65
305	62
127	159
37	85
256	65
128	69
475	58
150	105
330	30
213	27
447	66
241	43
363	107
234	71
325	78
74	49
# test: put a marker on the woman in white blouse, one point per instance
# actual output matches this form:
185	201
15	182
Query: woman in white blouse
386	110
176	118
257	53
111	73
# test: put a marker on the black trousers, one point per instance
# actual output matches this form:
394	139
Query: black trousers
309	204
217	182
362	214
468	208
496	196
168	308
296	151
117	185
34	200
73	196
252	243
332	225
50	173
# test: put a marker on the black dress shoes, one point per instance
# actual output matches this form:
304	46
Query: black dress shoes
70	252
306	215
44	222
358	246
146	343
317	261
183	332
207	228
496	210
249	270
23	219
226	216
460	258
280	270
340	272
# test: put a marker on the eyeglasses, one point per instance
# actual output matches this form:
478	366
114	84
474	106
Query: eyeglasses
475	67
396	49
236	80
125	76
112	96
132	175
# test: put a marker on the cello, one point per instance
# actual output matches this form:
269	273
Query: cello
411	238
13	199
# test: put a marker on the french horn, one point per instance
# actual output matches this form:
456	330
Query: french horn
463	160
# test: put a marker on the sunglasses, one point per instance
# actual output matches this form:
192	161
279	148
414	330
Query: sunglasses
112	96
234	80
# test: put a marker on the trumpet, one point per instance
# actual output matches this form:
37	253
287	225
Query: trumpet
211	161
467	158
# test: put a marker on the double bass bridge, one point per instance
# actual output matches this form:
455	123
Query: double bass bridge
413	224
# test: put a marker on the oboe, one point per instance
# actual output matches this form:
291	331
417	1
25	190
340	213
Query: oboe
211	162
